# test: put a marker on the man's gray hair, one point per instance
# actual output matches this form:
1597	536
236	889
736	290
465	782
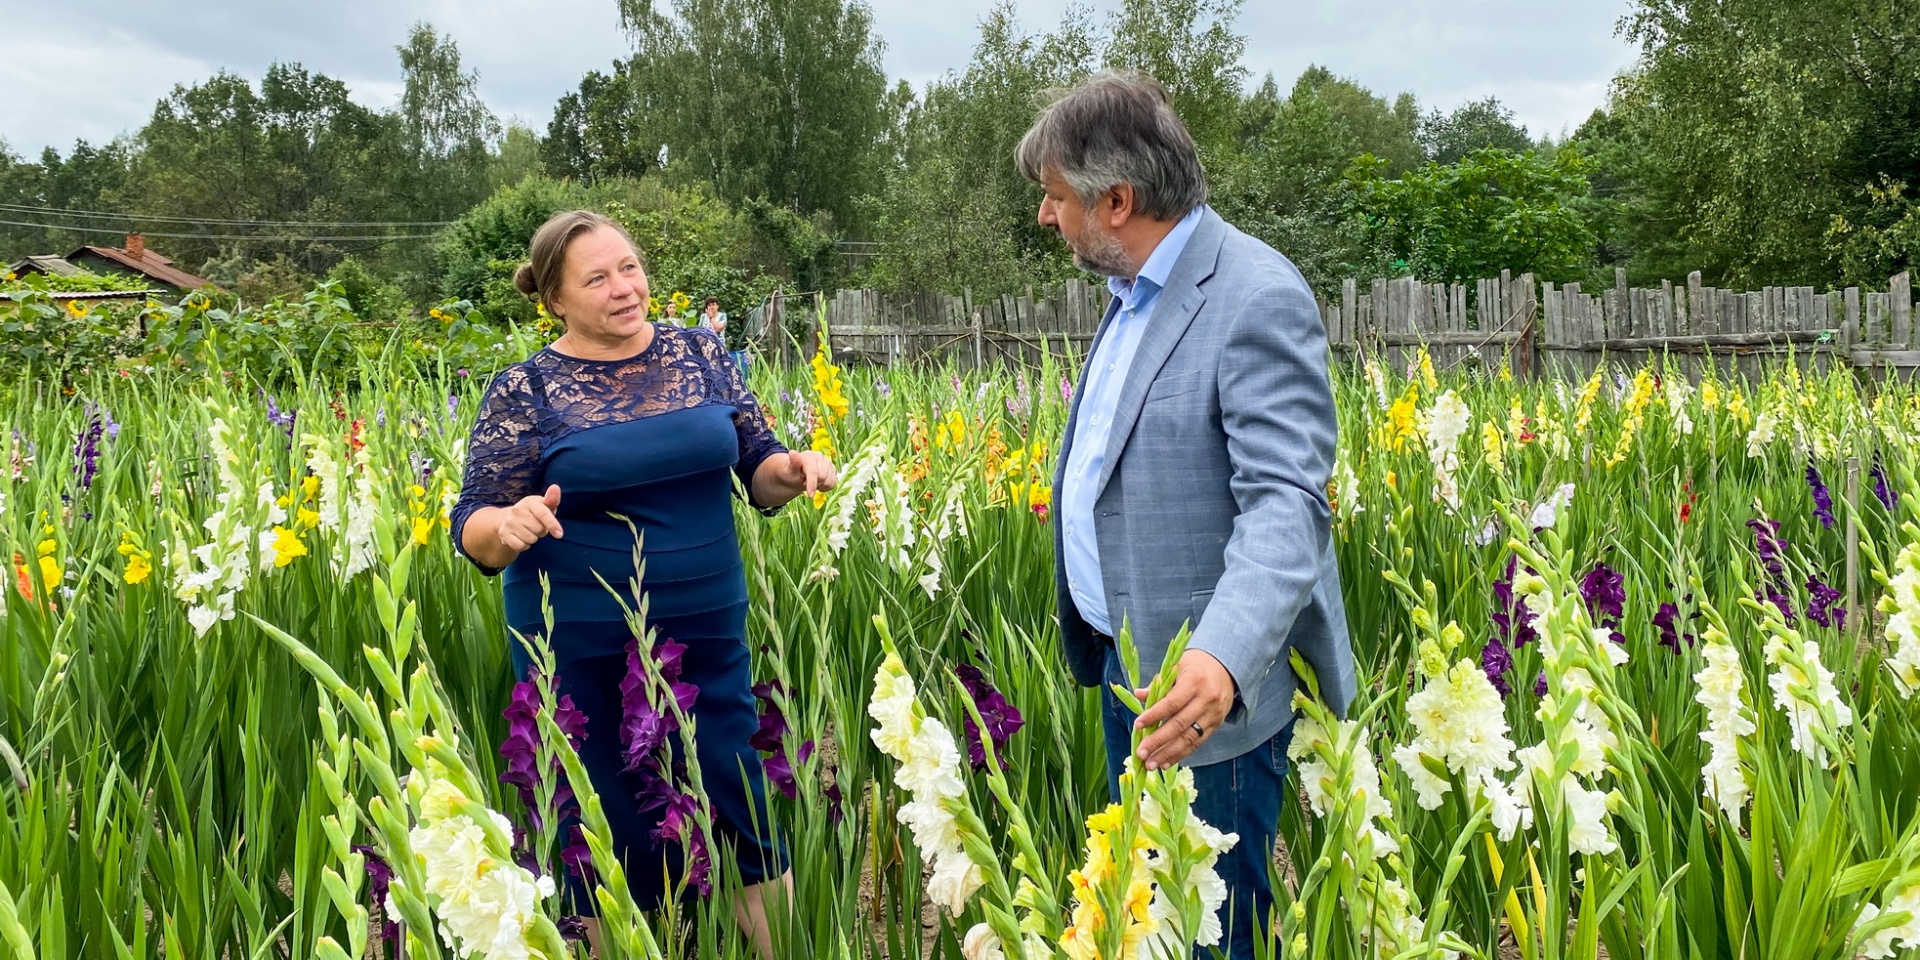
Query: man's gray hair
1117	127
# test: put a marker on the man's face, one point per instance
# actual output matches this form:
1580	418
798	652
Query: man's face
1095	248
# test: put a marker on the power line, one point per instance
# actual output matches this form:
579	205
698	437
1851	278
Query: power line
103	215
219	236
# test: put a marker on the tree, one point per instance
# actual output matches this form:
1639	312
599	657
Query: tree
1747	128
447	129
1191	48
1494	210
1366	122
781	99
1475	125
957	214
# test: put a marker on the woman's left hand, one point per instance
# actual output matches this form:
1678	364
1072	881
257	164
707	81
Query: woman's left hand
809	472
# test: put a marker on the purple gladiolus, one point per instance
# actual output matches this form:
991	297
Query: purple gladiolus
880	384
1822	497
521	749
1003	719
1540	684
379	879
1066	389
1825	608
572	929
1767	543
1604	591
780	772
86	447
1496	660
771	738
453	404
1667	621
1882	490
1513	618
278	417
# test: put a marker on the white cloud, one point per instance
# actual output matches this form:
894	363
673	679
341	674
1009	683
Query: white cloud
65	79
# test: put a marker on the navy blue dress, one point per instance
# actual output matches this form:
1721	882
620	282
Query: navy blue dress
656	438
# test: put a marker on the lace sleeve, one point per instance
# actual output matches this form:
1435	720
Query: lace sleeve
757	441
503	453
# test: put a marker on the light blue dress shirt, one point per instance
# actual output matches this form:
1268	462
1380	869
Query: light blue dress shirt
1099	394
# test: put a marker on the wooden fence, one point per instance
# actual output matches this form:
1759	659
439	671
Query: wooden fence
1534	327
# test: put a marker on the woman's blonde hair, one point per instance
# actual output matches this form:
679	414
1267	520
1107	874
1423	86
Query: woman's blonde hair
539	277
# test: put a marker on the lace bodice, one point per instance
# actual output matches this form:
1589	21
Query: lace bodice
537	402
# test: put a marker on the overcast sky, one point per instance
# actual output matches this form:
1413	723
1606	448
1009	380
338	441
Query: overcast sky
65	76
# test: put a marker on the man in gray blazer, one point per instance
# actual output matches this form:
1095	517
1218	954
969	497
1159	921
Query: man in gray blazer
1191	484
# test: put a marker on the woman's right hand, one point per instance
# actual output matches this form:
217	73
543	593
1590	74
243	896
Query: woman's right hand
523	524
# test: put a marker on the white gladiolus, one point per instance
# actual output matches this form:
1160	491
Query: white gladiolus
982	943
1346	490
1445	423
1900	936
1202	878
1459	720
1317	777
485	902
1763	432
1721	684
1902	606
929	770
1587	830
1803	690
1547	512
1677	393
859	476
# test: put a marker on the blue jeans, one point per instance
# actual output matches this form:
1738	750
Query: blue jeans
1242	796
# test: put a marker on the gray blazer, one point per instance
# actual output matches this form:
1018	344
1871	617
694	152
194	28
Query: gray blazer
1213	501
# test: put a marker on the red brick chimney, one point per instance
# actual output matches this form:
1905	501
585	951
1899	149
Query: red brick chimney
136	246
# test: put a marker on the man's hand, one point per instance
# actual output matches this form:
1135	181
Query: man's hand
1202	694
526	522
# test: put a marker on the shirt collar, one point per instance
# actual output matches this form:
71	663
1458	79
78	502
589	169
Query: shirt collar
1159	265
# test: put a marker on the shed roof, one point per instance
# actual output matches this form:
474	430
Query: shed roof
47	264
149	263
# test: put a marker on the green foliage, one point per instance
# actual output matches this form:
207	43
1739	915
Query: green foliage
1478	125
367	294
1884	241
956	214
1747	127
688	239
1493	210
77	283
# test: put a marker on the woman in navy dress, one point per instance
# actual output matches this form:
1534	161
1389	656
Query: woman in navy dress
650	422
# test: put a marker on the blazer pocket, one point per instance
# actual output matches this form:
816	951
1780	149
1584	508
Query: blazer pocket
1166	388
1200	600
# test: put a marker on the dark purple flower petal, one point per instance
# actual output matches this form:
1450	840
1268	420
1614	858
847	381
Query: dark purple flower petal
1540	684
1767	543
1667	621
1825	608
1605	593
572	929
1496	660
1883	490
1822	497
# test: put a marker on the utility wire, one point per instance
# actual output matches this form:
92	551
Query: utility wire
218	236
102	215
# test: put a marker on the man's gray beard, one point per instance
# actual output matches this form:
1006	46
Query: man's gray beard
1104	255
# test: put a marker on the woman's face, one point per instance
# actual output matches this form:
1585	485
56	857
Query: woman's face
603	290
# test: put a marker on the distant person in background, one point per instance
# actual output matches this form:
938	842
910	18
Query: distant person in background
671	314
715	319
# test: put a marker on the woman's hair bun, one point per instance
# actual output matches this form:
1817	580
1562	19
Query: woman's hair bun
523	280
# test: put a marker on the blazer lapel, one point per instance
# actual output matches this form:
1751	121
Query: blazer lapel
1173	312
